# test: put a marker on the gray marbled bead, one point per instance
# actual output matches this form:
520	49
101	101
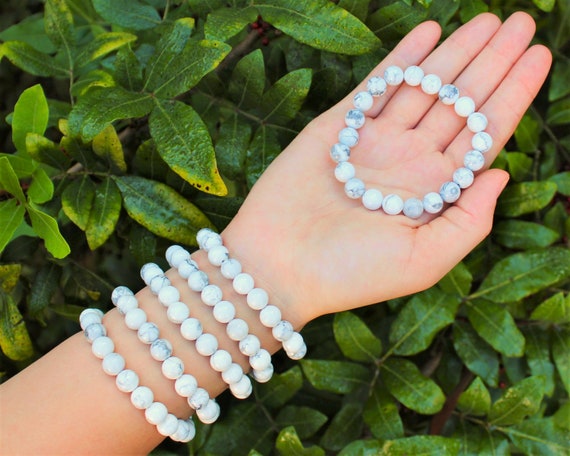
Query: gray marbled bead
392	204
448	94
340	152
394	75
431	84
450	192
433	203
348	136
160	349
354	188
474	160
482	141
463	177
354	118
376	86
413	208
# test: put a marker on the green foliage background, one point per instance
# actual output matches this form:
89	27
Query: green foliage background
129	124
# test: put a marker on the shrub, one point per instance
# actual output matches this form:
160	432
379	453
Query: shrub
131	124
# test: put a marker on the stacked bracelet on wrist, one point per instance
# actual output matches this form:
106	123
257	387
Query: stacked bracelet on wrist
206	344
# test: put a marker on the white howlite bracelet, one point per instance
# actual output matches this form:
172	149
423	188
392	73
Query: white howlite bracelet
127	380
256	298
172	367
450	191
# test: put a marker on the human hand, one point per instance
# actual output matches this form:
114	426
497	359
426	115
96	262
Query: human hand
315	250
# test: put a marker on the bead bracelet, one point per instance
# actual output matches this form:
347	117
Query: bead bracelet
348	137
257	298
127	380
172	367
206	344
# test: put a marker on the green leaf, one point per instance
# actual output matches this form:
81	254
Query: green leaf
130	14
423	316
520	165
562	181
9	180
320	24
247	82
281	388
477	441
540	437
537	351
289	444
33	61
160	209
231	146
30	30
264	148
306	420
477	355
409	386
9	276
31	115
103	105
44	286
46	151
59	24
11	217
393	21
525	197
345	427
559	112
358	8
108	145
517	402
284	99
545	5
41	188
355	339
560	351
15	340
555	309
527	134
523	274
496	326
335	376
559	81
421	445
471	8
46	227
102	45
22	165
184	143
128	69
458	280
184	71
381	414
475	400
225	23
104	213
520	234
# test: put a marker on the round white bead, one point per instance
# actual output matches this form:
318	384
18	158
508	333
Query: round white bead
149	271
242	389
450	192
206	344
191	329
126	303
134	318
282	331
89	318
127	380
344	171
185	432
211	294
433	203
218	254
249	345
156	413
372	199
298	355
202	235
197	280
209	413
220	360
348	136
237	329
142	397
243	283
172	367
363	101
448	94
102	346
148	333
354	188
270	316
113	363
160	349
177	312
376	86
168	295
232	374
224	311
118	292
94	331
257	298
354	118
158	283
186	268
477	122
170	250
393	75
431	83
464	106
340	152
260	360
413	208
263	376
230	268
210	240
413	75
186	385
474	160
392	204
463	177
199	399
179	256
482	141
168	426
294	343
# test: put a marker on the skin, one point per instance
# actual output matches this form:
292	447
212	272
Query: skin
314	250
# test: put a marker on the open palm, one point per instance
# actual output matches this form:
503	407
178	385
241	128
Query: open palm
315	249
